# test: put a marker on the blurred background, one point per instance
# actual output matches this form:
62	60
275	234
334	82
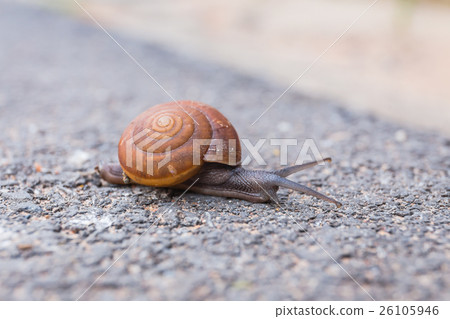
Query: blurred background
394	62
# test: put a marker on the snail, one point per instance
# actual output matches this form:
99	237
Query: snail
181	143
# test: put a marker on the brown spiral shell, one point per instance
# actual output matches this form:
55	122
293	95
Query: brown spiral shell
157	147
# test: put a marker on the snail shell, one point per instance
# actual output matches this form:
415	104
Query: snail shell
168	144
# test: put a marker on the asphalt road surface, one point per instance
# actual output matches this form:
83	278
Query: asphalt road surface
67	91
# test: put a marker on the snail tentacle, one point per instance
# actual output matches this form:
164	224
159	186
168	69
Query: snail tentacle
286	183
284	172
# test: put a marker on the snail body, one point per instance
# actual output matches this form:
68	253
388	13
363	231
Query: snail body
188	144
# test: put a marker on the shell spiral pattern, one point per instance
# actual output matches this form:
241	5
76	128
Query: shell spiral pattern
167	144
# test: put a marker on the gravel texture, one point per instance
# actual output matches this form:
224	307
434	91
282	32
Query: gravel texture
67	92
